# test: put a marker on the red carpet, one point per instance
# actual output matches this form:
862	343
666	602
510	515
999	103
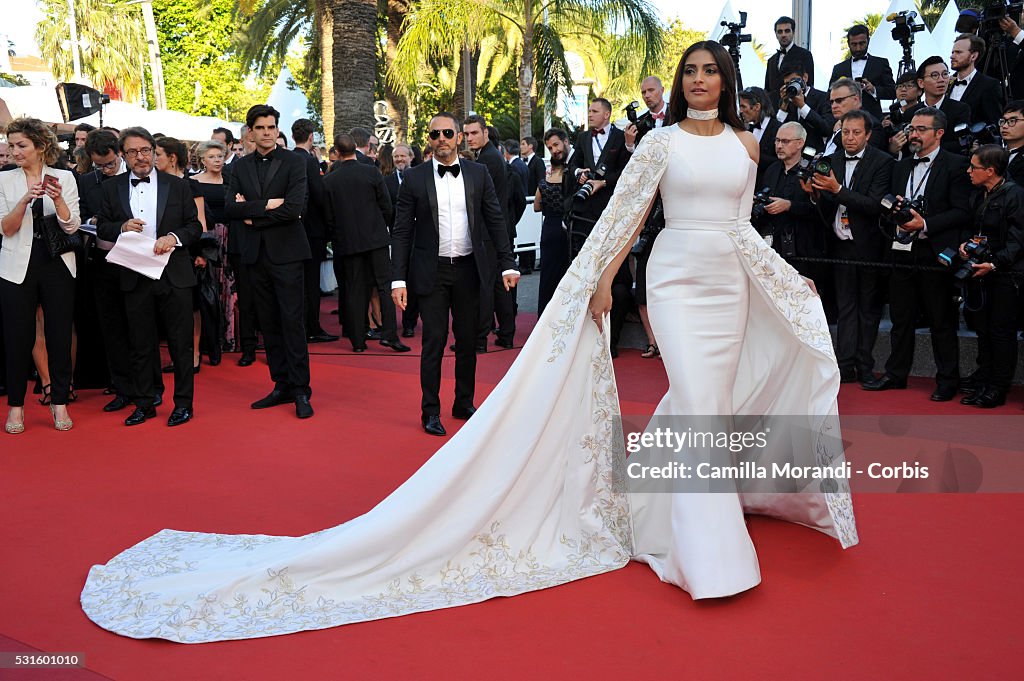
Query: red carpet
930	593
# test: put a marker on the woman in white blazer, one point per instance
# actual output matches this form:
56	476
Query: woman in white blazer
28	275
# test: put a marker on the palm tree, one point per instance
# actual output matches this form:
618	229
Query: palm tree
269	28
872	20
111	37
530	35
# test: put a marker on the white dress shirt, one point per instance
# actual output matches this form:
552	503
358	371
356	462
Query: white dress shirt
857	67
843	231
955	93
598	142
452	215
918	180
142	199
760	129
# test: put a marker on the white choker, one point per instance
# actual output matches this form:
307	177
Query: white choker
698	115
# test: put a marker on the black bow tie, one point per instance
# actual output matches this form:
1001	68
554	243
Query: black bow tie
453	169
864	58
958	82
782	52
853	158
597	131
137	180
923	159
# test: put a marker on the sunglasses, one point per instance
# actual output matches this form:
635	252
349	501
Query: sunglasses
448	133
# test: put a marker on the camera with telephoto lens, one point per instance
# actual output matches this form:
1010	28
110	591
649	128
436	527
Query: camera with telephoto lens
977	250
905	27
968	135
758	211
643	125
584	192
897	211
794	88
812	162
735	35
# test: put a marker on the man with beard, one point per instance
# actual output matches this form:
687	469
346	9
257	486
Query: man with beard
873	74
971	87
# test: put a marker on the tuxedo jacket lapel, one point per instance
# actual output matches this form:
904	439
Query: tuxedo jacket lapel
162	189
432	195
470	187
254	179
275	165
125	193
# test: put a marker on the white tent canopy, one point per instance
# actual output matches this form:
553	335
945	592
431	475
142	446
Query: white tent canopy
882	44
41	102
751	67
945	29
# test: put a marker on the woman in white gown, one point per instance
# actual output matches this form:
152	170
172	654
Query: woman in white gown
524	496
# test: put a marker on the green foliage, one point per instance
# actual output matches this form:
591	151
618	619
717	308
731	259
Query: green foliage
196	44
305	70
872	20
677	39
14	79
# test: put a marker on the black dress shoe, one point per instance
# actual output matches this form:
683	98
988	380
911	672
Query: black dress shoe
991	398
275	398
408	333
158	399
432	425
971	398
502	343
214	361
169	369
179	416
396	345
463	414
886	382
848	375
303	409
116	404
481	348
452	347
322	337
196	368
247	359
140	415
373	334
361	348
944	393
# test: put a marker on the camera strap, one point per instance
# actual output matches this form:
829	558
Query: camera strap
980	216
915	190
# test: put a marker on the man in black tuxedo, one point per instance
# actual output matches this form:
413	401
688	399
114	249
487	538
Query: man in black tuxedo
447	211
316	231
1014	56
599	156
848	202
359	212
981	93
901	112
844	97
499	303
1012	128
805	105
873	74
510	150
402	156
933	79
534	164
653	93
757	112
788	53
362	137
942	181
161	207
267	193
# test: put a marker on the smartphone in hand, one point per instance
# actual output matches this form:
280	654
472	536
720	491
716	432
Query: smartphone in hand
49	181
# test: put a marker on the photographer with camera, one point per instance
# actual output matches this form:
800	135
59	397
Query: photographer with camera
1010	25
789	216
653	93
979	92
787	55
901	112
873	74
933	78
994	251
936	181
597	161
798	102
757	112
848	201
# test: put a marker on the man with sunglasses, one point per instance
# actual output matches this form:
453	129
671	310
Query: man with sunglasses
933	79
844	96
941	179
447	213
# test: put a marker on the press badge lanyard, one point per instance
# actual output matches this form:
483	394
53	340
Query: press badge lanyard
914	190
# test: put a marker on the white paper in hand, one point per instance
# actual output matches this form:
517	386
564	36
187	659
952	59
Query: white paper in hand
134	250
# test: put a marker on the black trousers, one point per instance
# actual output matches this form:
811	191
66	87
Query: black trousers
505	308
456	292
147	305
113	321
338	265
364	272
859	310
246	304
527	261
411	313
912	291
48	283
996	325
311	276
554	259
279	292
622	302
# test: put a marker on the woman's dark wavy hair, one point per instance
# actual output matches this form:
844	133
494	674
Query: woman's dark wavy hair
728	111
176	148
